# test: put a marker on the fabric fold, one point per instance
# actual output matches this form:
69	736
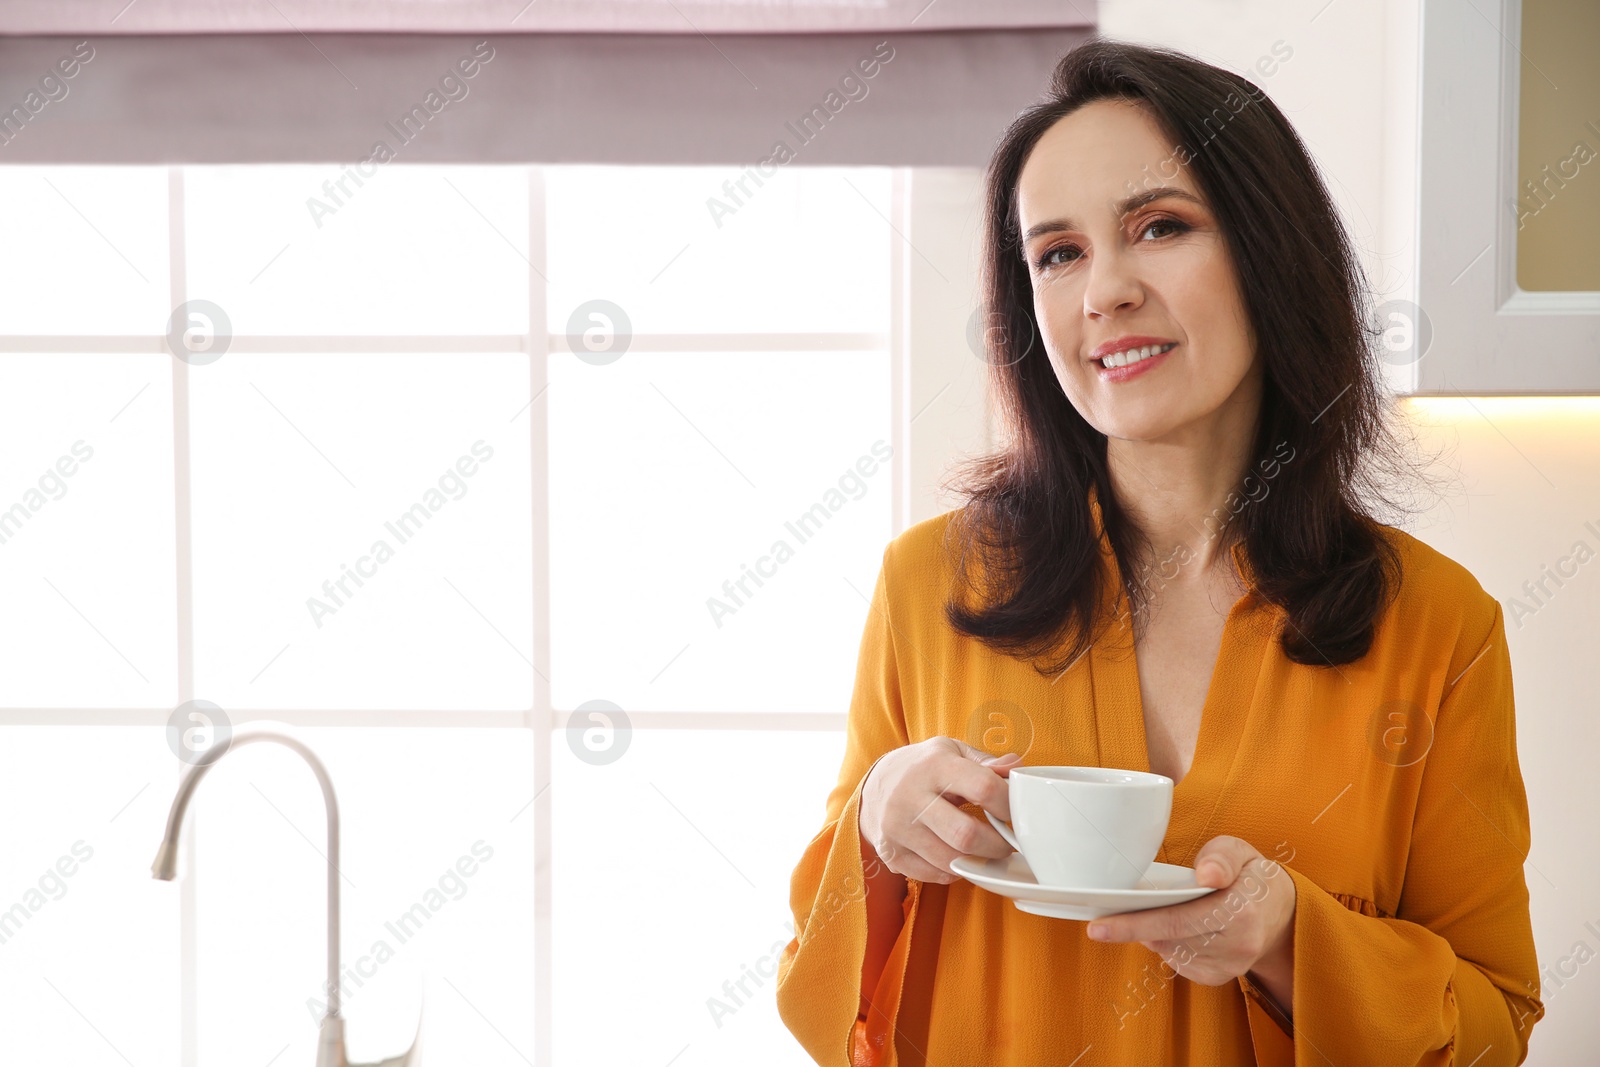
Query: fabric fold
819	973
1389	790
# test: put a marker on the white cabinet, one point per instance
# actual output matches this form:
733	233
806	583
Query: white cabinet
1489	335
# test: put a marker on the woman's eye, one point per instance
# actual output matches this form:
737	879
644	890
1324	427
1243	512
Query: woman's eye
1049	259
1176	226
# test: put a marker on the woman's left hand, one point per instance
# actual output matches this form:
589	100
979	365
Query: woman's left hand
1246	925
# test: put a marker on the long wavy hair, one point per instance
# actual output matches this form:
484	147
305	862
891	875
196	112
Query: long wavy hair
1312	540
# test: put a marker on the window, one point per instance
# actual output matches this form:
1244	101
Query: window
478	477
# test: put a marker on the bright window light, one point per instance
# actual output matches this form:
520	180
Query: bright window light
401	510
85	250
415	249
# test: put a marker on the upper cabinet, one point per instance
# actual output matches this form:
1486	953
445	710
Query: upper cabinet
1508	212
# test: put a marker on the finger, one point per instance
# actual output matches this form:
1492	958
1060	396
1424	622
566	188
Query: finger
926	857
1221	860
903	860
923	871
997	802
1175	922
968	752
966	834
1005	764
932	845
979	756
1000	811
1002	765
973	783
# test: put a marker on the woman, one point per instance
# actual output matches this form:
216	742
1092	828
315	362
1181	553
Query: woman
1169	566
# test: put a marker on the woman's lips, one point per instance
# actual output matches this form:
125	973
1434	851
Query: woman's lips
1132	370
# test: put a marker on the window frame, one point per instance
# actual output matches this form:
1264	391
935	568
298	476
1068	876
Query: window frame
933	399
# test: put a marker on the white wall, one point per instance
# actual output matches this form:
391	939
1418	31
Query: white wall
1529	482
939	378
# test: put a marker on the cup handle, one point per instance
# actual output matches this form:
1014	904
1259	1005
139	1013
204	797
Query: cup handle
1004	829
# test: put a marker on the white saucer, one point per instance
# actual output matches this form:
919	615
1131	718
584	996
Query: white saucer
1011	877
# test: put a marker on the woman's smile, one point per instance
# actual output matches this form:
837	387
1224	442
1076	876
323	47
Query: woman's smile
1131	362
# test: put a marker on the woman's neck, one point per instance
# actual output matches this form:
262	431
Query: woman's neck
1182	490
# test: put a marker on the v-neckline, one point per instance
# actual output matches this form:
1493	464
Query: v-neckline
1224	713
1209	713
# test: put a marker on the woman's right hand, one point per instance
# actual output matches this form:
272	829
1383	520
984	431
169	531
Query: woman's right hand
910	814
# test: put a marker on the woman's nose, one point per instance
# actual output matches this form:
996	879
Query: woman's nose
1113	286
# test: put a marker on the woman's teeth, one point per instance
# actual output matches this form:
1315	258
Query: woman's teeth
1134	355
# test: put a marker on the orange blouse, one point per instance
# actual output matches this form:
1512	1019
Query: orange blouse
1387	788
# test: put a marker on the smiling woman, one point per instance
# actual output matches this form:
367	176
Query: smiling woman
1158	225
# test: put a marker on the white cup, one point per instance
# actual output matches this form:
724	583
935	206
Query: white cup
1087	827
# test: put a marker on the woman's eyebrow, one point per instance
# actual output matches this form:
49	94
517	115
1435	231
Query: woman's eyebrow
1125	208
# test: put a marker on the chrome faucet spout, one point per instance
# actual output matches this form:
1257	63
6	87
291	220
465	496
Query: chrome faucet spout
165	866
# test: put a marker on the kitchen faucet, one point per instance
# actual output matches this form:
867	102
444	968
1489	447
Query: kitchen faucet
330	1041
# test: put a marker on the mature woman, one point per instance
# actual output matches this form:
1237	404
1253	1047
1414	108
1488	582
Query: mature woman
1174	564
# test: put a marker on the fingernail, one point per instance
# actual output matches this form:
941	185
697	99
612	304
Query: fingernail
1097	931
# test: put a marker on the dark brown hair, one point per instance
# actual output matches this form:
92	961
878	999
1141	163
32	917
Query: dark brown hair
1314	546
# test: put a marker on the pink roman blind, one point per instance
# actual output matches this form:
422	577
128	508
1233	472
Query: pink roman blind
536	16
914	83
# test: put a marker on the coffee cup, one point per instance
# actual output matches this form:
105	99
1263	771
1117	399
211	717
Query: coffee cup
1087	827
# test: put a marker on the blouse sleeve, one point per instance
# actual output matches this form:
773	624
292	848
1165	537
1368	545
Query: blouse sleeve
1452	978
819	973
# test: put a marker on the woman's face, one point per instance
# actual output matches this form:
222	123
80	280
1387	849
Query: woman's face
1106	269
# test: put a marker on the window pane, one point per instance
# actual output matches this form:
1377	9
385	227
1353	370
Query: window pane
412	249
1557	212
86	531
774	462
806	251
89	940
436	896
85	250
362	531
713	823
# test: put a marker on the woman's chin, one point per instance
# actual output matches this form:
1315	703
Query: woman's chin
1140	430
